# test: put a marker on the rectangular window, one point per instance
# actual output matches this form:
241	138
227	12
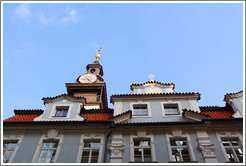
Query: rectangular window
140	110
233	149
142	150
90	151
171	109
61	111
48	151
8	149
180	150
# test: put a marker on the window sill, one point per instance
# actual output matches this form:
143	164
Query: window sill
59	116
144	162
168	116
183	161
135	116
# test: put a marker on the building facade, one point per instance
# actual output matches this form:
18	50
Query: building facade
153	124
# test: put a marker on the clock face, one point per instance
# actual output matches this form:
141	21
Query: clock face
87	78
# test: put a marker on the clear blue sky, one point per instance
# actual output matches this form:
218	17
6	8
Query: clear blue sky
198	47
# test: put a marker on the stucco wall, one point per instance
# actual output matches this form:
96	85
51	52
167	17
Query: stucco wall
156	110
70	146
27	148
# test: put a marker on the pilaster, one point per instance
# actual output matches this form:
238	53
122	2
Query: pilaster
116	148
206	147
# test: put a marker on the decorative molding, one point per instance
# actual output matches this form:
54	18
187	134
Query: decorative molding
116	151
208	151
141	133
52	133
177	132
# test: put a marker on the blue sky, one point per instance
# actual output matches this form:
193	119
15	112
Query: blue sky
198	47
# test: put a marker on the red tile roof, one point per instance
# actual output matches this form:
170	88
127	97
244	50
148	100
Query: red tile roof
97	117
218	114
21	118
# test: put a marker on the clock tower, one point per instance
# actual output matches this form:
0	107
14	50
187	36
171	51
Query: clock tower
91	86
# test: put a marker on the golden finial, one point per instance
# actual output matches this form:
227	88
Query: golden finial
151	76
98	56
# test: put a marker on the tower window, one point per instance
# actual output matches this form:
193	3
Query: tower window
92	70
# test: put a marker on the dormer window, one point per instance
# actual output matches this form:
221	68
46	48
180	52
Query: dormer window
171	109
140	110
61	111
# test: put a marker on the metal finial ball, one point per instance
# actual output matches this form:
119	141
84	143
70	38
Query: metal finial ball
98	56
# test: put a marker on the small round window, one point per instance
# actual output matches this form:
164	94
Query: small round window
92	70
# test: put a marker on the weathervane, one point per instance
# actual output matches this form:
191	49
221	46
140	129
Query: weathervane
151	76
98	56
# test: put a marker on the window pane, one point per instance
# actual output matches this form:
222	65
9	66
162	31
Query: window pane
176	154
43	154
234	143
58	113
147	155
226	143
41	160
64	112
141	143
92	143
138	155
171	111
185	154
85	156
94	155
239	153
143	112
140	109
230	155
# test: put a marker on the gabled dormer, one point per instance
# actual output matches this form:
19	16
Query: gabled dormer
62	108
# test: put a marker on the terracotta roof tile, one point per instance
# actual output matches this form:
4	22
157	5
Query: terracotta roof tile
218	114
97	117
21	118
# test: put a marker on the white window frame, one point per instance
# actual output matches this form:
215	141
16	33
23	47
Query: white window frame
91	137
40	145
189	145
152	146
54	109
171	103
141	103
18	138
228	135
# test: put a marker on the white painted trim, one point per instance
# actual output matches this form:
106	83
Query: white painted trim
91	137
152	146
228	135
39	147
14	138
186	135
139	103
171	102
